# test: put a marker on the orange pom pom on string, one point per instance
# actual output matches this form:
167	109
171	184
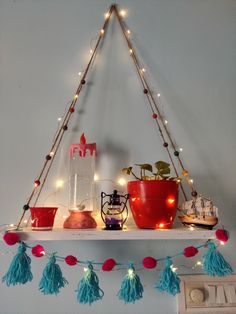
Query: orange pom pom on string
190	251
109	264
222	235
11	238
71	260
149	262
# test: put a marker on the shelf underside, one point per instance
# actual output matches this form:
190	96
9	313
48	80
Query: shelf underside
128	234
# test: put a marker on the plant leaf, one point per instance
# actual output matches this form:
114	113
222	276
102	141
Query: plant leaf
127	170
147	167
162	165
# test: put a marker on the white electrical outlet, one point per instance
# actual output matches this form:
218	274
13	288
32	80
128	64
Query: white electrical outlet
203	294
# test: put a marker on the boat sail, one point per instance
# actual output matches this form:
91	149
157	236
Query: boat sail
199	212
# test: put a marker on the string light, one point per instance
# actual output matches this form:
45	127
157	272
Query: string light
222	242
51	154
191	181
165	121
59	119
91	51
102	31
25	221
106	15
130	272
199	263
11	225
96	177
85	268
122	181
123	13
128	32
76	96
131	51
173	268
59	183
181	149
143	70
80	73
158	95
191	228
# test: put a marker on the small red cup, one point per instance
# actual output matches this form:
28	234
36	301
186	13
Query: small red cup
42	218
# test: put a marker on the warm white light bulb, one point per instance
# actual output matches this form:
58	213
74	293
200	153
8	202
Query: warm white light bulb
11	225
80	73
174	269
199	263
191	181
222	242
181	149
123	13
165	121
25	221
91	51
64	216
85	268
96	177
51	154
191	228
76	96
143	70
59	119
121	181
106	15
59	183
131	51
130	272
102	31
128	32
158	95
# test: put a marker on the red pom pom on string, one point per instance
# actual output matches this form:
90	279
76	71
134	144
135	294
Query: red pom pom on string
149	262
222	235
109	264
38	251
11	238
71	260
71	110
190	251
154	115
36	183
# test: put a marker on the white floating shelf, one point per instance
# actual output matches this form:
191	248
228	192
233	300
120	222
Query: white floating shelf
128	234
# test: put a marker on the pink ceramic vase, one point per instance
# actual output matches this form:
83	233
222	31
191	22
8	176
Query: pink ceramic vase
80	220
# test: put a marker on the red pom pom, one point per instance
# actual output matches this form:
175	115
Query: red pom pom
36	183
222	235
149	262
71	110
38	251
71	260
190	251
11	238
154	116
109	264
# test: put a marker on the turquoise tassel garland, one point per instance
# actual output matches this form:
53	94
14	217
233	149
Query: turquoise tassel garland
88	287
169	280
131	287
214	263
19	271
52	280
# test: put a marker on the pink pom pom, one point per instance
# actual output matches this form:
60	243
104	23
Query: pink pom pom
38	251
109	264
149	262
71	260
190	251
222	235
11	238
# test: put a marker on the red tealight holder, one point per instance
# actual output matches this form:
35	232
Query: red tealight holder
42	218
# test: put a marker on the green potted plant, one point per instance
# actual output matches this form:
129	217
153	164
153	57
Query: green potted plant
153	195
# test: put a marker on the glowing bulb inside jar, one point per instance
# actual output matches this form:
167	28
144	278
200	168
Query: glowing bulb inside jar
121	181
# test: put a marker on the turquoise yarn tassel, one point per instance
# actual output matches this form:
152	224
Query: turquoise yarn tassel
52	280
169	280
19	271
88	287
131	287
214	263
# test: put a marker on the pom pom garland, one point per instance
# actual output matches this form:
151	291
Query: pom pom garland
71	260
109	264
131	287
222	235
88	287
11	238
38	251
190	251
169	280
19	271
149	262
214	263
52	280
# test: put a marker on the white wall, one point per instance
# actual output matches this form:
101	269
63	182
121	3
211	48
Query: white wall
189	51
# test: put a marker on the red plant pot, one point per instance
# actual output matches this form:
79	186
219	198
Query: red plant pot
153	203
42	218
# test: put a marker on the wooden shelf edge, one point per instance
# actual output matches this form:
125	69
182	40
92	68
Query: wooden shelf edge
60	234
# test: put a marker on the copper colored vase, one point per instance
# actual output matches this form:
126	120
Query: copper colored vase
80	220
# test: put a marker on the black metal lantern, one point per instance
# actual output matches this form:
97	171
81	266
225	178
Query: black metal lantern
114	211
